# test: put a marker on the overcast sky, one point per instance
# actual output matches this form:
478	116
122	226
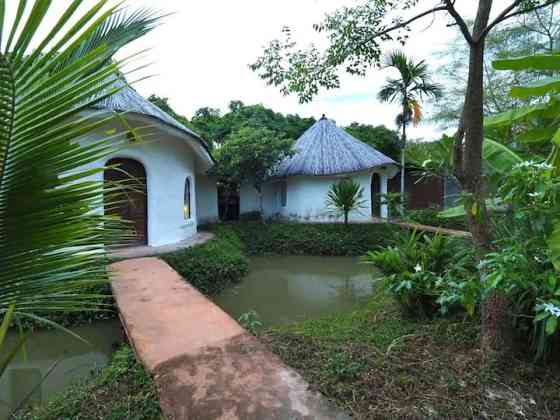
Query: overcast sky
200	55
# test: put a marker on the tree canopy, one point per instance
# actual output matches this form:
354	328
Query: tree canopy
379	137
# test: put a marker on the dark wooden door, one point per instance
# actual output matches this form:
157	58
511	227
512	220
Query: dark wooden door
376	195
133	202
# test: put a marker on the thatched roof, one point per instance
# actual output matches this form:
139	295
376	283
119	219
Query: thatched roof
325	149
129	101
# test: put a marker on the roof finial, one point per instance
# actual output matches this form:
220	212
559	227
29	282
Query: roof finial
324	117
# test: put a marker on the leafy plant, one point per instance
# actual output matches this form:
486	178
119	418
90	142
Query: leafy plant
417	271
53	246
344	197
250	321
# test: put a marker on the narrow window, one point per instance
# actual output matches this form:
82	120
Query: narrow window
284	194
187	199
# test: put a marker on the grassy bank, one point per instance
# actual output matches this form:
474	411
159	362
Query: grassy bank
122	390
378	365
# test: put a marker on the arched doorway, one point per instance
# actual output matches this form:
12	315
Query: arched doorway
133	205
376	195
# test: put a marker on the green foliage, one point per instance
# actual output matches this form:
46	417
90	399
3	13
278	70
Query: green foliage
122	390
251	321
251	154
215	127
213	266
417	270
430	217
355	35
163	104
395	202
379	137
534	33
522	267
312	239
344	197
413	85
53	247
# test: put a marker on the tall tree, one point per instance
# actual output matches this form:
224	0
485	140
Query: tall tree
250	155
379	137
535	33
356	35
408	90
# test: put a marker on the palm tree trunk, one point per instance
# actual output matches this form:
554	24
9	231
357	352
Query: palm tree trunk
403	146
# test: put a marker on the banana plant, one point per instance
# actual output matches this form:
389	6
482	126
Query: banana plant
436	159
53	69
539	122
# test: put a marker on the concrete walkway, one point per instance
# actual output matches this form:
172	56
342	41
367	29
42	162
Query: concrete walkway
151	251
204	364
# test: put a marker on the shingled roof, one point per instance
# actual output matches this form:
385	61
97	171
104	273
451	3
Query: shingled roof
325	149
129	101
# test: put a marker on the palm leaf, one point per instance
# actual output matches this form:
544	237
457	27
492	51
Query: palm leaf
54	241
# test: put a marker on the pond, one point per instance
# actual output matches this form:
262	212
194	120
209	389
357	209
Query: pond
288	289
60	357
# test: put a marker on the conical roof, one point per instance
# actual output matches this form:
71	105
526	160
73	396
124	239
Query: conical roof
325	149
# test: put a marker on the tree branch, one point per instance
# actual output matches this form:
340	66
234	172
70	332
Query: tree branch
506	14
409	21
450	6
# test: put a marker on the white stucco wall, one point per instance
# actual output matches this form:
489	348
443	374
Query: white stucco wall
168	160
206	199
307	196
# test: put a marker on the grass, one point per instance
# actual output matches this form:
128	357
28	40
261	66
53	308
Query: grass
122	390
378	365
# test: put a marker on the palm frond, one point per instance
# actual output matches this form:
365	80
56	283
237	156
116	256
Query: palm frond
54	236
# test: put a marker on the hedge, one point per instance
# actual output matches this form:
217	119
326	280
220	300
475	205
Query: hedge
214	265
311	239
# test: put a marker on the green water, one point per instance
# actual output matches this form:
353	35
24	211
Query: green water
67	359
289	289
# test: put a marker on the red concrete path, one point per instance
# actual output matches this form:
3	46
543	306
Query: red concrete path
204	364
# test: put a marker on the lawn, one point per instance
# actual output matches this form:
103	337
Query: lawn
379	365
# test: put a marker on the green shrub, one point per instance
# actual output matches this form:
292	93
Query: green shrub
312	239
419	270
213	266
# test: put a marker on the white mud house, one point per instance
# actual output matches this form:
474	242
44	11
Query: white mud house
171	163
324	155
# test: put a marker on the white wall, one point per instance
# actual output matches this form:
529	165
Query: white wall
307	196
168	161
206	199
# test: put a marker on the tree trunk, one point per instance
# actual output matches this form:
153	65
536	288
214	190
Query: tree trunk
403	162
346	218
496	326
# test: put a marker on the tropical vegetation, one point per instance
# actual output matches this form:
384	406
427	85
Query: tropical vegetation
344	197
53	246
408	90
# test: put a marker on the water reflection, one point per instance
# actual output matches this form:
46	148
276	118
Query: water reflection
288	289
53	360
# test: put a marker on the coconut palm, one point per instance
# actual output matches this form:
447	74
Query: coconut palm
345	196
413	85
53	242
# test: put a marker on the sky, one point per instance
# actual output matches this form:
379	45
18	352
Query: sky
199	57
